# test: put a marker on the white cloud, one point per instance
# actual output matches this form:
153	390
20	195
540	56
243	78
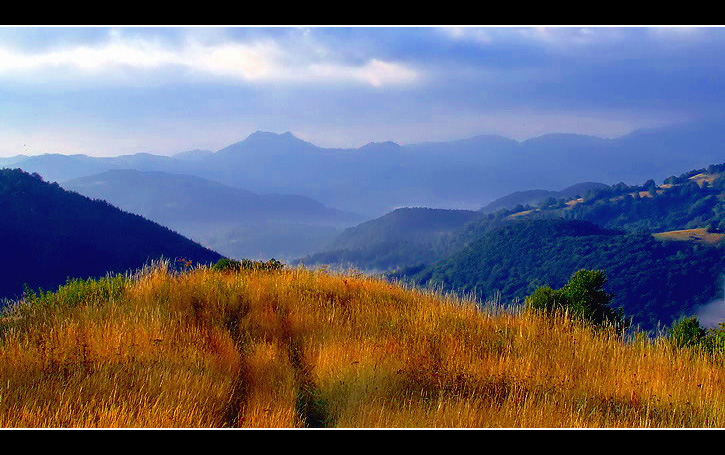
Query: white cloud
253	62
475	34
563	37
552	37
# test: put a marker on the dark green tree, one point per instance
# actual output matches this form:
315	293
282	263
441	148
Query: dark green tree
583	297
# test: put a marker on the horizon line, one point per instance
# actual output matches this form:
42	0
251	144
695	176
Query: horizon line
296	136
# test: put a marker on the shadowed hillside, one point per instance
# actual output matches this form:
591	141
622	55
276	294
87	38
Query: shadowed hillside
293	348
174	199
49	234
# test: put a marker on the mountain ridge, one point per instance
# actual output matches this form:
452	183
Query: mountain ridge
471	172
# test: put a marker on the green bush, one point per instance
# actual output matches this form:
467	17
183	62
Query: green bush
688	333
546	299
247	264
79	292
583	297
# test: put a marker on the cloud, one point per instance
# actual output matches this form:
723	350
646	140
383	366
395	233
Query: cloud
567	39
713	313
256	61
478	35
546	36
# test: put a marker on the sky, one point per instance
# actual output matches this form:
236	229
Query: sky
112	91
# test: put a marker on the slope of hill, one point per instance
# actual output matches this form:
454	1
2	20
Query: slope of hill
417	224
235	222
695	199
654	282
294	348
534	197
175	199
691	235
49	234
10	160
56	167
402	237
193	155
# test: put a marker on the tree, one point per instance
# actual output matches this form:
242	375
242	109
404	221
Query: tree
548	202
651	187
583	297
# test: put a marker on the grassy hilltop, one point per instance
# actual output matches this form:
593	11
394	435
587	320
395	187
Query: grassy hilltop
295	348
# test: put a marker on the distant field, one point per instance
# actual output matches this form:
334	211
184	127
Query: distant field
296	348
574	202
520	214
691	235
703	177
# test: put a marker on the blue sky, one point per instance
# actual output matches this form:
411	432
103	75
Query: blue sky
104	91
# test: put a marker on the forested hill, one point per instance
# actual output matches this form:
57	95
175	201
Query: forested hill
49	234
408	237
695	199
405	224
652	281
535	197
395	239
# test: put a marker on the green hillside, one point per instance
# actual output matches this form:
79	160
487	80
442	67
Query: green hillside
402	237
653	281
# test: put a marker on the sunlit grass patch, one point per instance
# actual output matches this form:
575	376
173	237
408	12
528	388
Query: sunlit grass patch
293	348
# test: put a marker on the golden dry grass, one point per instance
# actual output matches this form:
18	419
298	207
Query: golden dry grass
704	177
574	202
691	235
297	348
521	214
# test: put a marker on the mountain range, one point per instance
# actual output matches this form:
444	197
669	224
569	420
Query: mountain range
381	176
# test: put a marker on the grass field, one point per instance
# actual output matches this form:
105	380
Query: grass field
691	235
296	348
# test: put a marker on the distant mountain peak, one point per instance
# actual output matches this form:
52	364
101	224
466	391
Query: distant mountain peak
265	142
271	135
381	145
260	133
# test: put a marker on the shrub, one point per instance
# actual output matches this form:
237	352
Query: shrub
247	264
79	292
583	297
546	299
688	333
